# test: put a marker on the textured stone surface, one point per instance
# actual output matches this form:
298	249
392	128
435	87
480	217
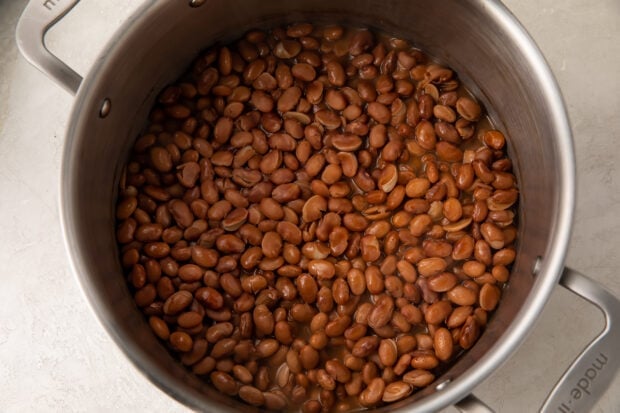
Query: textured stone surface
55	356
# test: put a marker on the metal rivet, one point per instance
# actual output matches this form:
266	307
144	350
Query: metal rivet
443	384
537	265
106	106
196	3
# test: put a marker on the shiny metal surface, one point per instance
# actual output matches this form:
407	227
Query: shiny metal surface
472	404
589	376
480	39
35	21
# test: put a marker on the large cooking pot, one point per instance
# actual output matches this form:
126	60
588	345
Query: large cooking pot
480	39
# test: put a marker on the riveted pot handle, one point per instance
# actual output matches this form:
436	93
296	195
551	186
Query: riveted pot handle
35	21
587	379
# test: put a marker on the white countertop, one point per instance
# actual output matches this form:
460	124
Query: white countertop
54	354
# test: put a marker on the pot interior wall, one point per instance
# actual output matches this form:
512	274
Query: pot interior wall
159	44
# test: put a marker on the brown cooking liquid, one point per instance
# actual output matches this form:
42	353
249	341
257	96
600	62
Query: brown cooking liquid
418	166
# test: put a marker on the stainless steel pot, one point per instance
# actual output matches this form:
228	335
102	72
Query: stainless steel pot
480	39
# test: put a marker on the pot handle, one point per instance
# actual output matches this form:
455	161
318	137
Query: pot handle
589	376
587	379
35	21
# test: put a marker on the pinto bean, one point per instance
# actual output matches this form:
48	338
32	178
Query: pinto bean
306	220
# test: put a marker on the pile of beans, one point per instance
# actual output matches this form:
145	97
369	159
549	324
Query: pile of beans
317	219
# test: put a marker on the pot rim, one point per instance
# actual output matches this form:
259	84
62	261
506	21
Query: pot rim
548	272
